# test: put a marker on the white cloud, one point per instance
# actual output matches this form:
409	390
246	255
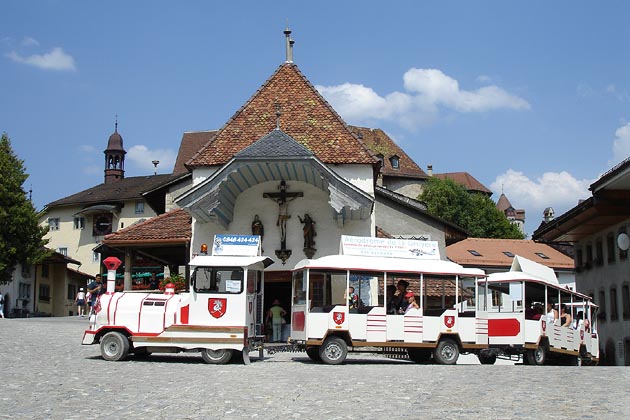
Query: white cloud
427	90
30	42
559	190
56	59
139	159
484	79
621	145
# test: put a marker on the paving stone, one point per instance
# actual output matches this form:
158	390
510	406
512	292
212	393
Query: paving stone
47	374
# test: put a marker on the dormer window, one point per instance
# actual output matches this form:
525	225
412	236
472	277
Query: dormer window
382	159
395	161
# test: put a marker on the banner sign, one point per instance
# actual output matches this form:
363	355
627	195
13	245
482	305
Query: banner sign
236	245
385	247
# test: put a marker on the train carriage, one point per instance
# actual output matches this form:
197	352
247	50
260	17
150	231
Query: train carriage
523	308
328	323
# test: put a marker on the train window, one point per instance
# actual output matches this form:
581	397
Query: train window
218	280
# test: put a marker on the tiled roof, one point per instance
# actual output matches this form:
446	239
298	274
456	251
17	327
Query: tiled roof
167	228
125	189
305	116
192	142
275	144
380	143
465	179
492	253
503	204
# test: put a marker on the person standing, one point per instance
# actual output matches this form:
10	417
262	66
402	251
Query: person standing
79	300
95	289
276	316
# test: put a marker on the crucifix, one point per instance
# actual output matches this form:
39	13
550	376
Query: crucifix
282	198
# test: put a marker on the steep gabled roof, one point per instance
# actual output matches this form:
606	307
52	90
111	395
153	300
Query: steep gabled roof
467	180
305	116
380	143
192	142
493	253
125	189
503	204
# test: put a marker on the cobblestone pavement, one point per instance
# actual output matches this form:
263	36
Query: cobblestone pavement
45	373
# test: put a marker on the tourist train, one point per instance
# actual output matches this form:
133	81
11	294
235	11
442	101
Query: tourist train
377	295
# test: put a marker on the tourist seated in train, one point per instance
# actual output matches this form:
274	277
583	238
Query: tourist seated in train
552	313
411	302
391	304
352	298
565	316
534	311
400	302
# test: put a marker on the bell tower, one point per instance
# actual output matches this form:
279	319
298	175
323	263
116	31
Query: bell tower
114	157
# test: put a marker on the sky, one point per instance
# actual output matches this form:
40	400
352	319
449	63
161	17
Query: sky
531	98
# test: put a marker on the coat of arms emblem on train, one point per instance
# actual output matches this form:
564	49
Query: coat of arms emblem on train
449	321
339	317
217	307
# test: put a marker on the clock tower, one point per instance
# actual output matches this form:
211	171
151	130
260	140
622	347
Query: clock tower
114	158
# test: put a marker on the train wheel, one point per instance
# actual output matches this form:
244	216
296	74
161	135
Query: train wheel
114	346
334	351
419	355
313	353
487	357
446	352
216	357
537	357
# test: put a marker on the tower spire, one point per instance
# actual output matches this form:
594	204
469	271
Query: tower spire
289	44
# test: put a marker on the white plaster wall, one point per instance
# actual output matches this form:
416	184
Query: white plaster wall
81	242
361	176
603	278
201	174
408	187
314	202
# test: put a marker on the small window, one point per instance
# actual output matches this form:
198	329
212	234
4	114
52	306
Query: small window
72	291
63	251
599	253
589	257
475	253
625	301
79	223
25	291
508	254
611	247
395	161
45	270
602	305
26	271
541	255
139	207
44	293
53	223
614	315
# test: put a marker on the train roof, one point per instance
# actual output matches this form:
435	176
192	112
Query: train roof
398	265
230	261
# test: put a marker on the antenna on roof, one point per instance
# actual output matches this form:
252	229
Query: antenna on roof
289	44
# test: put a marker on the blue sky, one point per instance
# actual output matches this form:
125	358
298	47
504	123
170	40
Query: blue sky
529	97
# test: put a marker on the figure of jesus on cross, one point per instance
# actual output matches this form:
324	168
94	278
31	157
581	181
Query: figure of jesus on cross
282	198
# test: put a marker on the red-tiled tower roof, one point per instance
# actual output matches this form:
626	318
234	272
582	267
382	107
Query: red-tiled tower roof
304	115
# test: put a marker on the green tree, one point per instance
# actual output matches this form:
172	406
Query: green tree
21	237
476	213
